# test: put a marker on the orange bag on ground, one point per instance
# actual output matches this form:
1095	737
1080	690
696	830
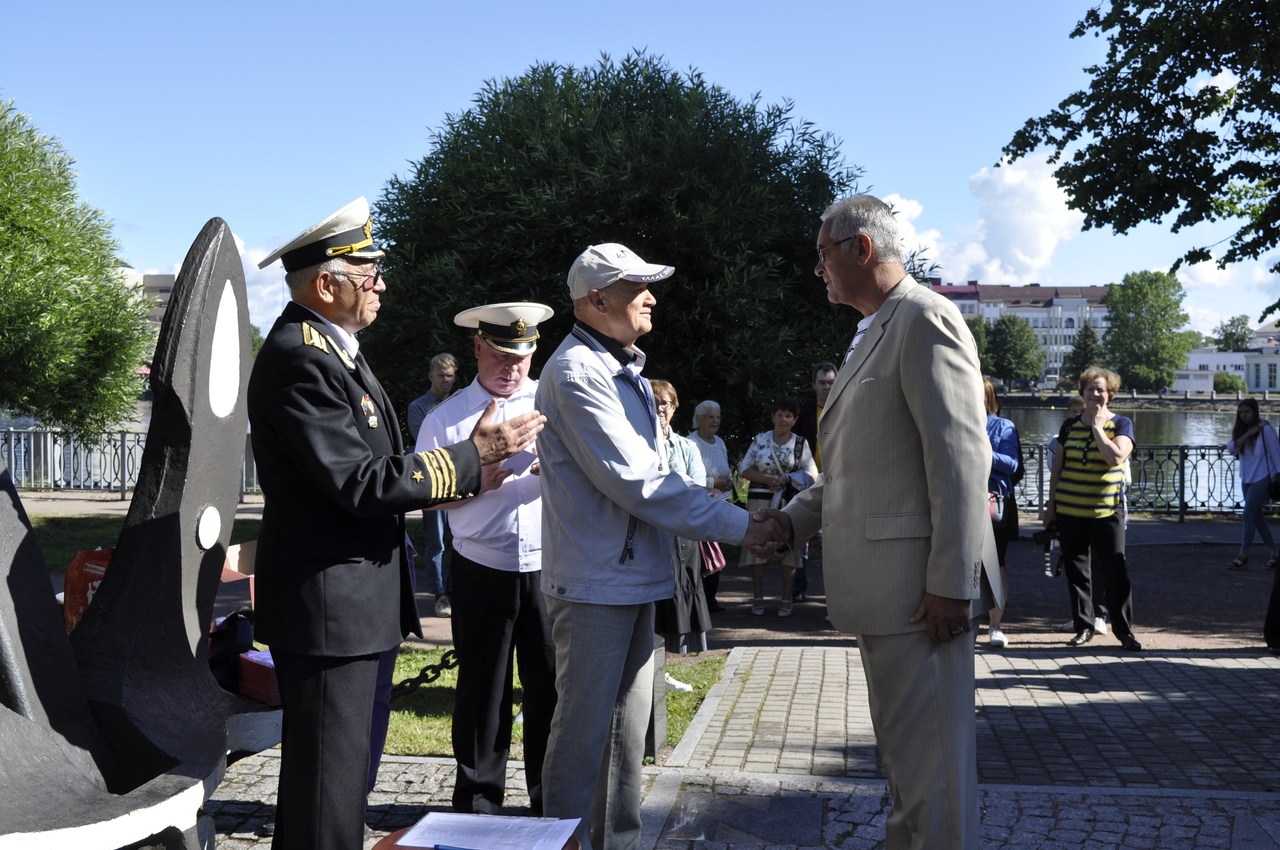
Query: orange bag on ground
80	583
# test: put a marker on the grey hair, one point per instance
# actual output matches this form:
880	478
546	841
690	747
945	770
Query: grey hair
301	277
703	408
859	215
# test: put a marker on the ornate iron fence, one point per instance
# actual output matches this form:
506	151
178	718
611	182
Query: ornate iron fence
1178	480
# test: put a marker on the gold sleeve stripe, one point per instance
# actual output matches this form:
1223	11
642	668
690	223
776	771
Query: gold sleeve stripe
444	476
311	336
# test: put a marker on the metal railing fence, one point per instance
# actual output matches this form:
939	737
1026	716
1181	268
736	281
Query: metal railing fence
1181	480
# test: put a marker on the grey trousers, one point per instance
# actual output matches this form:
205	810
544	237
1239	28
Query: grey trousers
604	682
922	702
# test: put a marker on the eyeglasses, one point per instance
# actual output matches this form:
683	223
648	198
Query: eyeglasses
364	280
822	252
665	402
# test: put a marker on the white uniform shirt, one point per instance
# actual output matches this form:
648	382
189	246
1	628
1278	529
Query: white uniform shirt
500	528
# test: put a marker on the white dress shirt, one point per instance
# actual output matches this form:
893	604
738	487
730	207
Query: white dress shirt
501	528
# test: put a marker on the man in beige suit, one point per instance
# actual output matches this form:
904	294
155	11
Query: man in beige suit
903	511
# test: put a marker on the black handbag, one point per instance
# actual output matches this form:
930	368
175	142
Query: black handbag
1273	489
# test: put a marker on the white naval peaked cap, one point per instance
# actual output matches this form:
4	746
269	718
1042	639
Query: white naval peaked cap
346	233
602	265
510	327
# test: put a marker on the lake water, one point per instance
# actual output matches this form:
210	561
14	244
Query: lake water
1036	426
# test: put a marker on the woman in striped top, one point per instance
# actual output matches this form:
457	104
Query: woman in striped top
1084	492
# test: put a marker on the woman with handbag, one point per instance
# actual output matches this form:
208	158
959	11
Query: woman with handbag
682	620
1006	464
778	464
1254	442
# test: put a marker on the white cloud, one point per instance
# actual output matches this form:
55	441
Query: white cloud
1023	218
1215	295
264	288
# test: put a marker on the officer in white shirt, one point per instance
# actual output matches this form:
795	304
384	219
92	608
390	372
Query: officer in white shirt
499	611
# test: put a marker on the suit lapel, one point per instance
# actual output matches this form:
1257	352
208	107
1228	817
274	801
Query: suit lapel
875	333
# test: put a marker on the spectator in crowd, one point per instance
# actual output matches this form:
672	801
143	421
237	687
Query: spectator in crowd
682	620
1006	463
779	464
444	372
715	459
1085	490
1253	442
824	378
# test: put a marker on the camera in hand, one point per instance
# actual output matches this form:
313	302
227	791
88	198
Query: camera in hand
1048	538
1044	535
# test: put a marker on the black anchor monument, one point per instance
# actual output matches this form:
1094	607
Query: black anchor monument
116	734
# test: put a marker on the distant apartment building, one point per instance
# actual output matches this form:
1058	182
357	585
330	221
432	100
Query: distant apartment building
156	287
1055	313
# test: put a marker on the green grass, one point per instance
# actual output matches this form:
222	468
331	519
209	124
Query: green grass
421	723
61	537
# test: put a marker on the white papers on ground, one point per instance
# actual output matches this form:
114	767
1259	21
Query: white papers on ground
451	831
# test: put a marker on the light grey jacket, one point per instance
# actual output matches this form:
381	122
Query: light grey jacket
609	504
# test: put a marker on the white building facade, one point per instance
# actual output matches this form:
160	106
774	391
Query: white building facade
1056	313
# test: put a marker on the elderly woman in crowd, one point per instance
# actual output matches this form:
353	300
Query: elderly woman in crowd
715	458
682	620
778	464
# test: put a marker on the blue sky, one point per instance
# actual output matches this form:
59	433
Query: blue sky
272	115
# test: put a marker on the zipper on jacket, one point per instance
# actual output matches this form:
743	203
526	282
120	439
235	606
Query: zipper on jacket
628	548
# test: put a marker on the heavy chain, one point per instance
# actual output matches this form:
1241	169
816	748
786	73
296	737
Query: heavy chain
429	674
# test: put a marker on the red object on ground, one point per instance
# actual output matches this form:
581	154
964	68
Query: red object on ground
81	581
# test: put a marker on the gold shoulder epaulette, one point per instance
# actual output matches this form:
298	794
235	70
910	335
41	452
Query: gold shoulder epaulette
311	336
442	474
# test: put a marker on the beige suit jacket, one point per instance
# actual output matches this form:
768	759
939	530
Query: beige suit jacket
903	499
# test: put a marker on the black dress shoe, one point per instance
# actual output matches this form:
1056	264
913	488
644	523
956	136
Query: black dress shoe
1130	643
1082	637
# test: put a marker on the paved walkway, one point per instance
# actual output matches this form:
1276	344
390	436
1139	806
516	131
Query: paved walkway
1176	747
1159	751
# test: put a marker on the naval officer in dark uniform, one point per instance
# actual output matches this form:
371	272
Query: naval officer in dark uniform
333	587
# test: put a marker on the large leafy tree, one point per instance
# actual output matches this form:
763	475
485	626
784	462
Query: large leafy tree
727	191
1235	334
71	334
1182	119
1016	354
1086	351
978	327
1143	344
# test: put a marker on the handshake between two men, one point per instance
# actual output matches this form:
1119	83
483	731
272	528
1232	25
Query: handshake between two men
769	531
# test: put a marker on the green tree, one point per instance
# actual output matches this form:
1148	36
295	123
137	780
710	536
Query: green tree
540	167
1235	334
1143	343
256	339
1225	382
978	327
1016	353
72	332
1086	351
1182	119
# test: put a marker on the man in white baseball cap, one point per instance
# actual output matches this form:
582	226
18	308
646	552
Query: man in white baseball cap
609	509
499	612
333	583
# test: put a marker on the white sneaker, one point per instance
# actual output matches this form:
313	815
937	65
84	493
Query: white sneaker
1100	626
443	607
676	684
998	640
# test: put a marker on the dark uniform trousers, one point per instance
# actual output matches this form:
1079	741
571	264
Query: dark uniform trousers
499	617
333	577
319	693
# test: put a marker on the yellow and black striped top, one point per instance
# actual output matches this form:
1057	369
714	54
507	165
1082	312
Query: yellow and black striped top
1087	486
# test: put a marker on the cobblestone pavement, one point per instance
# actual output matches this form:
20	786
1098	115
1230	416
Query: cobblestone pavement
1177	750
